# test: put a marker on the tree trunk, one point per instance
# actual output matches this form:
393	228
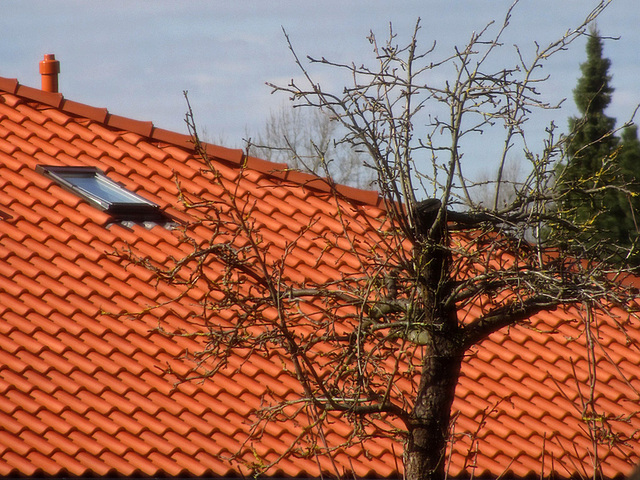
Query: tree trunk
429	430
429	425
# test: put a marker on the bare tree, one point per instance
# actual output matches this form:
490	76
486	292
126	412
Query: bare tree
483	189
308	140
383	344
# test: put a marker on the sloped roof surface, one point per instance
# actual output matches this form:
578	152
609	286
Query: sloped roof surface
82	391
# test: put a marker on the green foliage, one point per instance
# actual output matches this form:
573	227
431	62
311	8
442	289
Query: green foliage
629	160
593	92
599	183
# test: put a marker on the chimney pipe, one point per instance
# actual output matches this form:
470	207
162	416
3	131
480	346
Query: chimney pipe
49	70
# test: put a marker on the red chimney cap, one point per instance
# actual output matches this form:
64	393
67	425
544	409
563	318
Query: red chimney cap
49	70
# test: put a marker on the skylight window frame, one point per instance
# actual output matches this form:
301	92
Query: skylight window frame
123	205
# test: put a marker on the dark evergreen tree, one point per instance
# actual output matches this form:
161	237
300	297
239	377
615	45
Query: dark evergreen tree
629	160
592	138
600	177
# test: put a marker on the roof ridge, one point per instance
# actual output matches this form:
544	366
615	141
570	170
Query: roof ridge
148	130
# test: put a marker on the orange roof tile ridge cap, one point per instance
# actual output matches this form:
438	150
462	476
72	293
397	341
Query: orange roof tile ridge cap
56	100
141	127
233	155
53	99
369	197
82	110
315	182
265	166
9	85
173	138
13	86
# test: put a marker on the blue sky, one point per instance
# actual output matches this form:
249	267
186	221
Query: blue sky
136	57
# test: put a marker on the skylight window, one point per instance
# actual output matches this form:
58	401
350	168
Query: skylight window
94	186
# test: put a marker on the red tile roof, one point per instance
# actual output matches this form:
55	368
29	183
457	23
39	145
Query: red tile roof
82	392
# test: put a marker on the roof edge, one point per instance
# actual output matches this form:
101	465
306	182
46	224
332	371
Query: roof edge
318	183
96	114
148	130
9	85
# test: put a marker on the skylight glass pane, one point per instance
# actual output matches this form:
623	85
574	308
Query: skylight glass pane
93	185
103	189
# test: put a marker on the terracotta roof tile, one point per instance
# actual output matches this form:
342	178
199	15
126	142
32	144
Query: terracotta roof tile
38	443
59	366
173	422
18	129
26	147
28	417
59	429
10	113
43	389
82	390
21	360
